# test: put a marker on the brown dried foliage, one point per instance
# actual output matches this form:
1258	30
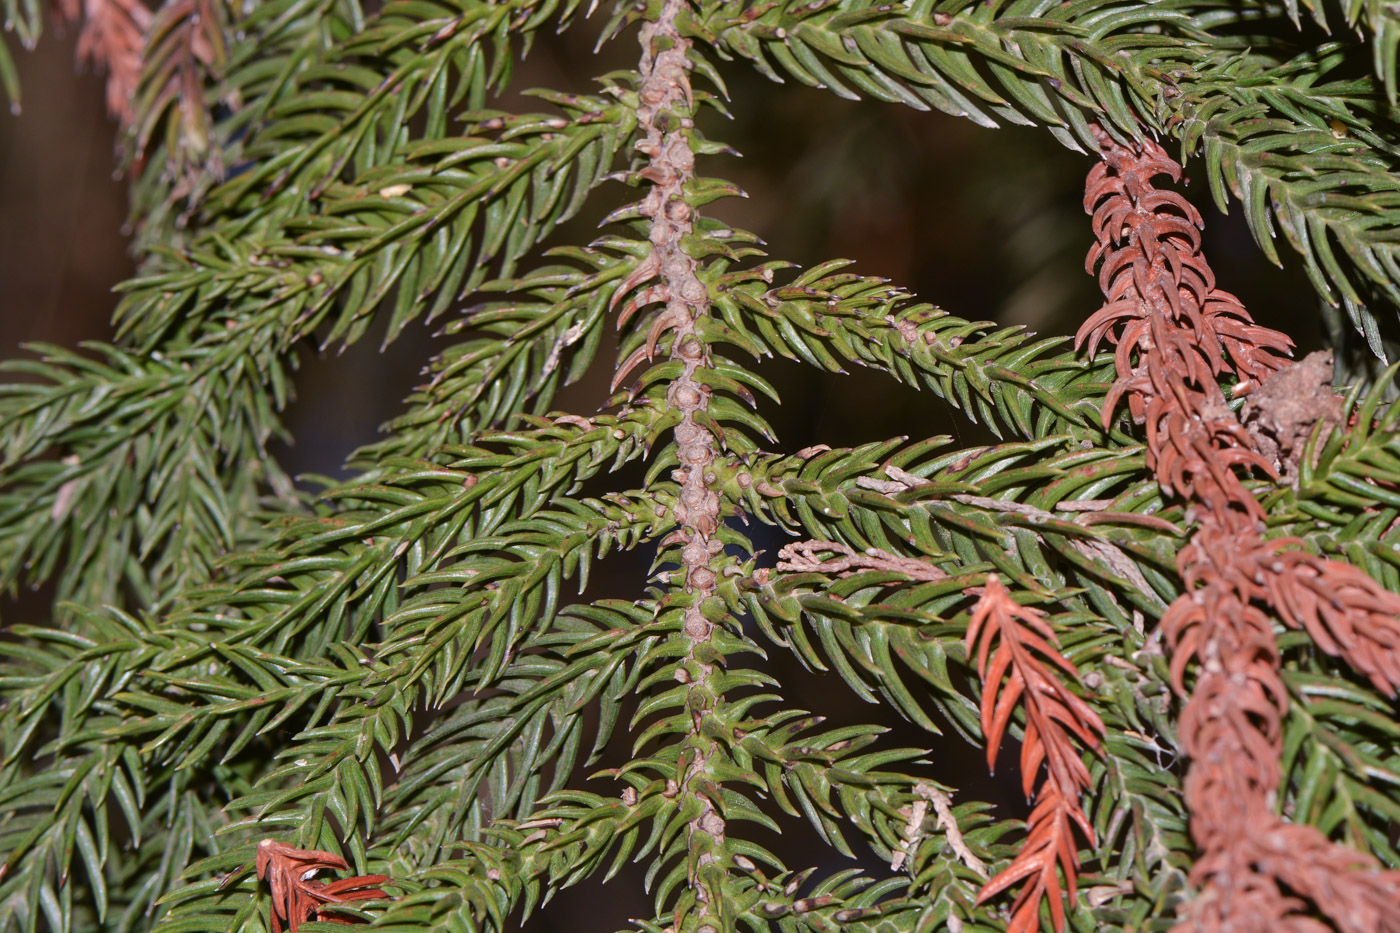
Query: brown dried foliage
1016	657
112	38
1289	406
297	896
157	64
1177	336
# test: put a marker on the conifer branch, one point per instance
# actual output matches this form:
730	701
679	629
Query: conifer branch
397	675
1347	465
229	714
876	619
803	558
1355	773
185	48
516	352
406	231
130	473
828	317
1366	17
454	513
368	74
869	498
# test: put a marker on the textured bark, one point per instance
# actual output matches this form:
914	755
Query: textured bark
664	116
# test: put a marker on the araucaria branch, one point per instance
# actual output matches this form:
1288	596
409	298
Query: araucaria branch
1178	336
531	643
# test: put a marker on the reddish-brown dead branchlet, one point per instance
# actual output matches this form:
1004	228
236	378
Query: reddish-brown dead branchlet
1177	336
298	896
1016	661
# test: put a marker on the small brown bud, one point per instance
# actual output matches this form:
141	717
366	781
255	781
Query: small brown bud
686	396
712	823
694	291
697	453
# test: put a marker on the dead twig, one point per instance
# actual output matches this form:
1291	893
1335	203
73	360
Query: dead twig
807	557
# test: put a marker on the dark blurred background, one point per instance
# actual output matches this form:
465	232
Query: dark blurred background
987	224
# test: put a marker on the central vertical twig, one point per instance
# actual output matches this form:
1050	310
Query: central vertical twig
665	117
